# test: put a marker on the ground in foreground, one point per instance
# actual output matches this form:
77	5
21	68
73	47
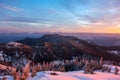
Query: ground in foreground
75	75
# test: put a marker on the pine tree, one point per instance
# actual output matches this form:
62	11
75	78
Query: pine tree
101	62
26	71
14	73
86	67
39	68
33	72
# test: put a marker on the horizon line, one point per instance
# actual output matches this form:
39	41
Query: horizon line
57	32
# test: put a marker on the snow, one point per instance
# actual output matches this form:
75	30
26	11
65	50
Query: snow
114	52
4	67
1	56
113	69
13	44
8	77
75	75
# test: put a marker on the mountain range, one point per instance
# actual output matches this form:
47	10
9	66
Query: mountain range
51	47
69	46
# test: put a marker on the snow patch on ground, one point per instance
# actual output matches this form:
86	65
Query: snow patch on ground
8	77
114	52
75	75
13	44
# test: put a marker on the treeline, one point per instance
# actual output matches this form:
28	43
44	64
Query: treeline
89	66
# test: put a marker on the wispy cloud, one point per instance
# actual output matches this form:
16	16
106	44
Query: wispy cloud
25	20
105	11
19	19
11	8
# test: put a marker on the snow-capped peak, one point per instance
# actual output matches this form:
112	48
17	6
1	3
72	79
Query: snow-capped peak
13	44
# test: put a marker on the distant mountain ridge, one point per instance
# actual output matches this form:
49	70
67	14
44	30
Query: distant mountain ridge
69	46
97	38
53	38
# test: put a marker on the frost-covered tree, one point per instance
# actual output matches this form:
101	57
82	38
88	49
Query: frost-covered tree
33	72
26	71
101	62
14	73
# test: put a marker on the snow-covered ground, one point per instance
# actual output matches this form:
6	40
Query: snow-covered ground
4	67
117	52
74	75
7	77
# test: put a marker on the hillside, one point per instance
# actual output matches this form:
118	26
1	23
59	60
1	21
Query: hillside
68	46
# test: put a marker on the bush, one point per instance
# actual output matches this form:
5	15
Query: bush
53	73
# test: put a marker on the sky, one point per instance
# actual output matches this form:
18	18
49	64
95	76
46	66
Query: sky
86	16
